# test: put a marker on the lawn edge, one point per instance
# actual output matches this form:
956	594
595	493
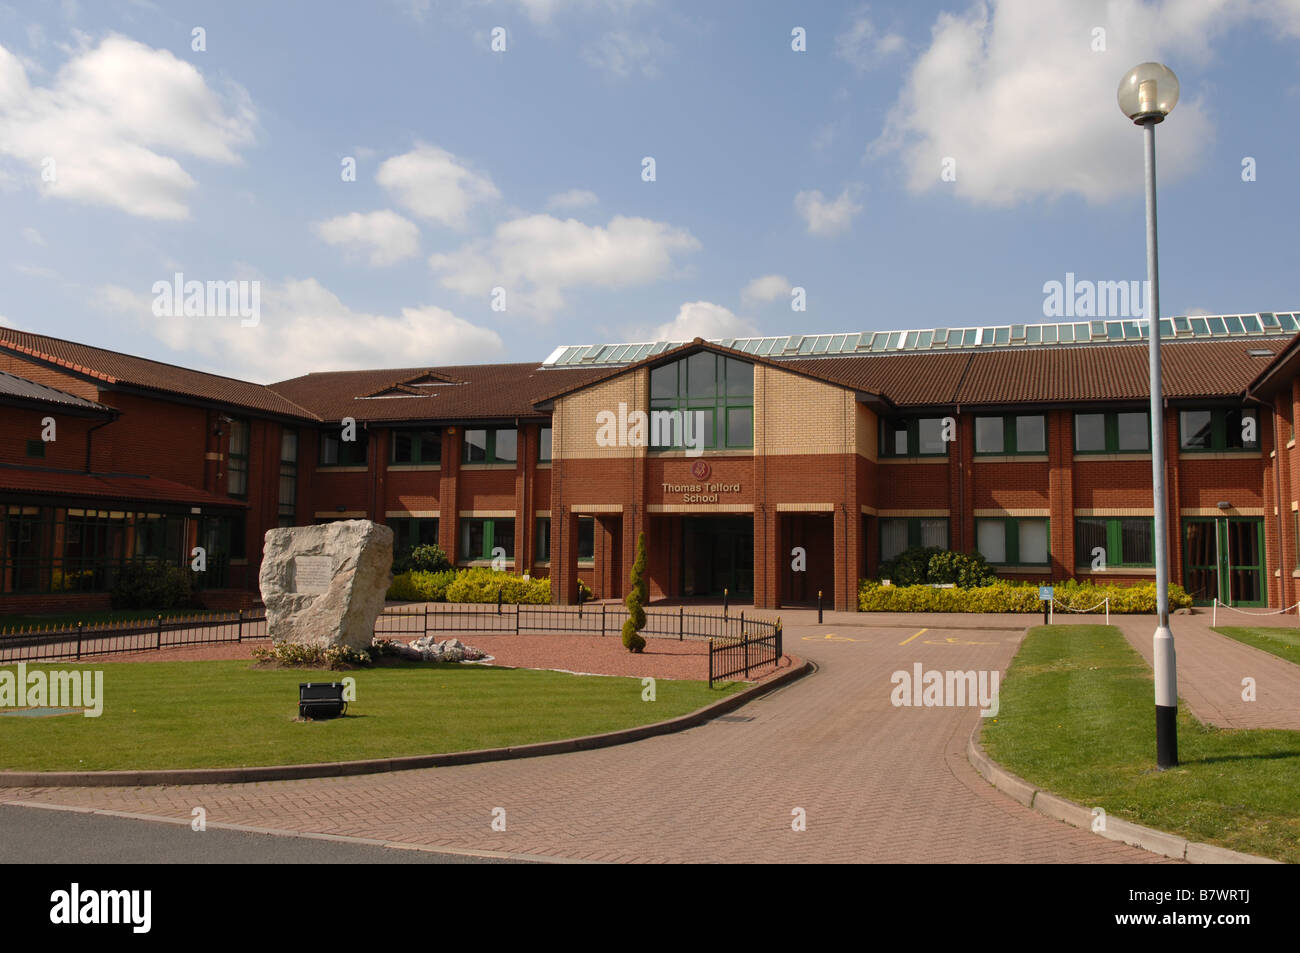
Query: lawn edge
1076	815
292	772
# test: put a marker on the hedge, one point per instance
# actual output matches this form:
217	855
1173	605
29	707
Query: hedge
469	585
1006	596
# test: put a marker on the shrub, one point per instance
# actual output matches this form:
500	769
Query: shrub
633	640
910	567
481	585
932	565
421	586
427	557
151	585
1005	596
311	656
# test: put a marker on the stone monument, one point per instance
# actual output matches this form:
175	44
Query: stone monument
324	585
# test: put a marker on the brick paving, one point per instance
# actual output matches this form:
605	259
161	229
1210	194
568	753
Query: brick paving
877	783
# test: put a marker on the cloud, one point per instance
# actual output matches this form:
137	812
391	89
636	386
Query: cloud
387	236
33	237
6	323
108	127
703	319
1014	93
538	257
433	184
621	54
36	271
305	327
573	198
765	288
863	46
827	218
541	11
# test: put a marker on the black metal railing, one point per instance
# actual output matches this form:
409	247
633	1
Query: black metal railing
138	635
758	645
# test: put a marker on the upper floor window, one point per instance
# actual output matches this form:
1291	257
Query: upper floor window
1223	428
288	500
491	445
1122	432
337	452
237	459
1011	434
705	390
416	446
913	437
544	445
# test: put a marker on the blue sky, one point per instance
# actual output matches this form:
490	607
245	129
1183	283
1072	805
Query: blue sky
521	169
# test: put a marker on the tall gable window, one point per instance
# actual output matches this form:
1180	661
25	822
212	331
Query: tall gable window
706	390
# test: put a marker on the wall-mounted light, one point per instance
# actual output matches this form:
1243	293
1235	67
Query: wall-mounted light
1224	505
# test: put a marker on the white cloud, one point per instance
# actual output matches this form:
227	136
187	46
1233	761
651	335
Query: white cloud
33	237
827	218
863	45
5	322
435	185
385	235
621	54
765	288
1013	92
703	319
36	271
573	198
538	257
112	120
305	327
540	11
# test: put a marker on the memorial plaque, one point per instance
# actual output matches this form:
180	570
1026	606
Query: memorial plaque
312	574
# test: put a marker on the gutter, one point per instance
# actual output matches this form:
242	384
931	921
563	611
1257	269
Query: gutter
90	436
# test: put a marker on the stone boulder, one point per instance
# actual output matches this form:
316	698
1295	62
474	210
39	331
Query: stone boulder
429	649
324	585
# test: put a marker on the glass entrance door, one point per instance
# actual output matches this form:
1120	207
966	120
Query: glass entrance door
1223	557
719	554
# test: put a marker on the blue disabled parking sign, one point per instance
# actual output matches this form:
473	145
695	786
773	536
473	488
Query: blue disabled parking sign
1045	593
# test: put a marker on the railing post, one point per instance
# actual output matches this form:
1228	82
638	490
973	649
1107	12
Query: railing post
426	618
602	620
725	594
499	600
819	607
241	624
79	624
681	624
745	642
159	631
710	663
518	609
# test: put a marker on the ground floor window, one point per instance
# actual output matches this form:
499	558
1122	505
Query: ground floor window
898	534
543	537
409	532
1013	541
479	537
1102	542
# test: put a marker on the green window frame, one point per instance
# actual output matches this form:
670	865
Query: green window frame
1020	434
478	537
1011	539
1129	541
412	531
917	530
414	445
912	437
715	385
542	540
287	501
544	445
1216	429
337	452
1115	426
490	445
237	460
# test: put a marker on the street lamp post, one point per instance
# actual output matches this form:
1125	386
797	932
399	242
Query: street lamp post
1147	94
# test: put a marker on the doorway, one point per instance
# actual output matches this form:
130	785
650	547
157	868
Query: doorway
1223	558
717	554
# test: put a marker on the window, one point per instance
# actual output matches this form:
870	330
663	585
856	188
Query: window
586	540
1013	541
288	500
705	390
409	532
1123	541
491	445
478	537
36	448
544	445
337	452
1218	429
1011	434
898	534
543	537
416	446
1295	521
237	465
1124	432
913	437
223	536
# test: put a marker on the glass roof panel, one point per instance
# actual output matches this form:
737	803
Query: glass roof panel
1287	321
940	335
1269	319
1199	326
1234	325
1067	333
924	339
1216	325
1182	325
1251	323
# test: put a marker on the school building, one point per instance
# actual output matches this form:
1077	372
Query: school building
771	467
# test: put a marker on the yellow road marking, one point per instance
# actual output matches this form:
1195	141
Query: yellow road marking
909	638
830	637
951	641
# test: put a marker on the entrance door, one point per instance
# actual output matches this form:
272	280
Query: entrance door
1223	557
719	555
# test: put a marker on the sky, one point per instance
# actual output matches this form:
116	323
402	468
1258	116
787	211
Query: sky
430	182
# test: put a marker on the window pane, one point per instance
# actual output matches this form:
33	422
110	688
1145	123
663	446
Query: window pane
701	374
1238	425
289	446
740	426
893	538
663	381
402	447
431	446
989	435
507	445
1031	434
543	540
475	446
329	449
934	533
239	437
740	378
503	536
931	433
544	445
700	420
1089	535
471	539
1090	432
1196	429
1136	542
1133	431
991	540
1033	541
586	537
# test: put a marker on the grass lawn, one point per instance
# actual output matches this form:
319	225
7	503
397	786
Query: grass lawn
1284	643
1077	718
61	619
225	714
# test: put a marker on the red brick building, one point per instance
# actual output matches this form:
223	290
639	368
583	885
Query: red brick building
815	458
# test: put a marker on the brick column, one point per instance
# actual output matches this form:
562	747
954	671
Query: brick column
768	558
525	520
848	559
1273	536
448	492
1060	487
1173	498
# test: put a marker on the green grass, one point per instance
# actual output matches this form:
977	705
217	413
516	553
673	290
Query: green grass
1077	718
227	714
1284	643
61	619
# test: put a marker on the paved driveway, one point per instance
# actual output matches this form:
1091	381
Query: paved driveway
877	783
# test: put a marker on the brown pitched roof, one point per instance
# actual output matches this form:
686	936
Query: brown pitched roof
110	486
113	368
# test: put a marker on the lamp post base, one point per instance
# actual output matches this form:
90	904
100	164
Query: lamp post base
1166	736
